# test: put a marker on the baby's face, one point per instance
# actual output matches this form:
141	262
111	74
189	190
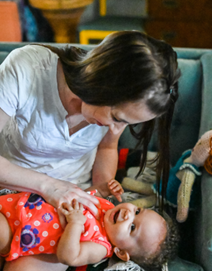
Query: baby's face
131	228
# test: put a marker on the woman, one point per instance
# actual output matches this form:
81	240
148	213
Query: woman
63	111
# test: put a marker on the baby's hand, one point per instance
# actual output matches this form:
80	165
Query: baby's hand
73	212
115	189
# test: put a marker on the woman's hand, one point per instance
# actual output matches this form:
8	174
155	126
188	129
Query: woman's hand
58	192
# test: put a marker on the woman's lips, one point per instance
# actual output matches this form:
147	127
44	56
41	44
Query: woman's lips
98	123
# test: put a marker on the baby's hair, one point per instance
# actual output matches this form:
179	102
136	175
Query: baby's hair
167	249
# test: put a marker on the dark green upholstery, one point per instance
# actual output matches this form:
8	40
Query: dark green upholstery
112	24
192	118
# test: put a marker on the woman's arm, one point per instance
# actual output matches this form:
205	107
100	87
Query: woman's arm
70	250
106	162
54	191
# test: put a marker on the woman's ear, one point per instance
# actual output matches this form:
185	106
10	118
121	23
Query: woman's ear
122	254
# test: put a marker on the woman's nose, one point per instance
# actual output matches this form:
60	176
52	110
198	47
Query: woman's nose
117	127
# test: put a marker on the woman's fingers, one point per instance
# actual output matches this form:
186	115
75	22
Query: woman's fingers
90	206
62	217
81	207
86	196
66	192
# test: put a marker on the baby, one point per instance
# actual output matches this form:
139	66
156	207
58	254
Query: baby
30	226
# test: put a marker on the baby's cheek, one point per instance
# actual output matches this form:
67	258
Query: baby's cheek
120	240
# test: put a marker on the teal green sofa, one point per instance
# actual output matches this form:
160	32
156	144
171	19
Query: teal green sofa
192	117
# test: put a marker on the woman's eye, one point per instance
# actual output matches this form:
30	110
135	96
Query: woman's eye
116	120
132	227
137	211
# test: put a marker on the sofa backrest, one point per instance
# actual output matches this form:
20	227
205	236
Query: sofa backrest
188	121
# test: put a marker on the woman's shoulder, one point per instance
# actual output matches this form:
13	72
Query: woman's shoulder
33	55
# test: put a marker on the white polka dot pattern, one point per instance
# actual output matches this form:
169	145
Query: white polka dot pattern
45	233
7	214
96	228
55	226
37	223
17	222
15	255
52	243
41	248
92	230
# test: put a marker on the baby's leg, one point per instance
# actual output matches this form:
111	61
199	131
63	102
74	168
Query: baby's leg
5	235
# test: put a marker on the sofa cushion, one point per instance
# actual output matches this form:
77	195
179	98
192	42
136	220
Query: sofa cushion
186	119
204	214
182	265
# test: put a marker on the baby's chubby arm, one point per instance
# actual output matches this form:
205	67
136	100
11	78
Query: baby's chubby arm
70	250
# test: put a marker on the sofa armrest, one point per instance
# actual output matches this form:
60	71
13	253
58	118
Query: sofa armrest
203	227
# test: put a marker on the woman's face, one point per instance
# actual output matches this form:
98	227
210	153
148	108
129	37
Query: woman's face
117	117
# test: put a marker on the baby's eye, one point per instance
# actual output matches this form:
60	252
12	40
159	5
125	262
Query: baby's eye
132	227
137	211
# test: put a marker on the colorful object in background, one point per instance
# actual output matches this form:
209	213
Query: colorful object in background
30	25
10	26
123	153
104	25
63	16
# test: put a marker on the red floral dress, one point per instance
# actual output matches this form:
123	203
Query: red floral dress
36	228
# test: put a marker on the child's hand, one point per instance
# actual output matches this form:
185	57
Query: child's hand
73	212
115	189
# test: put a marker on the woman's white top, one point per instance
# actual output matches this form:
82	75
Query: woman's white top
37	136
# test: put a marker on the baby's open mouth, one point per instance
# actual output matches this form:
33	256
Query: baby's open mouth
116	216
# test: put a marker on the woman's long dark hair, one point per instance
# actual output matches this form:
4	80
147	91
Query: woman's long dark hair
128	66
